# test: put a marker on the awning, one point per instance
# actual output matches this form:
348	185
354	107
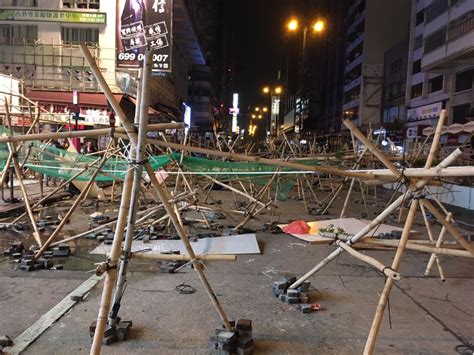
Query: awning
86	99
455	128
96	99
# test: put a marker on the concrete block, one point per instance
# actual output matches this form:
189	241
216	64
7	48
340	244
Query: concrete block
244	342
292	293
27	268
292	300
244	324
305	308
225	336
304	287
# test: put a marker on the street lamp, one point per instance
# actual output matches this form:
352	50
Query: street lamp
292	25
274	93
318	27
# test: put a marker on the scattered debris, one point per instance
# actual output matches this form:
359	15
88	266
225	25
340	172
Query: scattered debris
238	341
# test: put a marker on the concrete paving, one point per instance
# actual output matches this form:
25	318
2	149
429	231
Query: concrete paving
426	315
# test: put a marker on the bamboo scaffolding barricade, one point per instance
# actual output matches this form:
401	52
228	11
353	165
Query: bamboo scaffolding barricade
105	304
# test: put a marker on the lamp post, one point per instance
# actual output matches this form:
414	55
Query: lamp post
274	93
317	27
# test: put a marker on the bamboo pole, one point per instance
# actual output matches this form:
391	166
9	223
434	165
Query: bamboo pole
233	189
137	155
370	344
439	242
377	220
69	213
79	134
430	237
436	139
59	187
417	247
16	166
372	148
451	229
180	257
456	171
346	201
111	265
248	158
388	272
95	349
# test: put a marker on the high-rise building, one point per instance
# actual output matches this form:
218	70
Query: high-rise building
372	27
393	94
330	117
39	45
440	63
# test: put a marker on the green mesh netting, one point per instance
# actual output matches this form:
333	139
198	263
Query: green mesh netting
257	173
46	159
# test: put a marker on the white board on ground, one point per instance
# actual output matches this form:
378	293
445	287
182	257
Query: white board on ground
232	244
349	225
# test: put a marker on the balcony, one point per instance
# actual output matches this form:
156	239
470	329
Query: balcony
353	7
456	49
351	104
359	19
355	43
353	84
357	61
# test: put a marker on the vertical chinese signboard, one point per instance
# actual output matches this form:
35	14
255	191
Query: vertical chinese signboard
142	23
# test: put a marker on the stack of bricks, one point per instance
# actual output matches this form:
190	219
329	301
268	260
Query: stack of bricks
27	262
239	341
298	296
118	333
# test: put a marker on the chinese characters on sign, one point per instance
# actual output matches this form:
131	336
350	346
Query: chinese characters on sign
53	16
143	23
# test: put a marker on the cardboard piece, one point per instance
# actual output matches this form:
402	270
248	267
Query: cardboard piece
233	244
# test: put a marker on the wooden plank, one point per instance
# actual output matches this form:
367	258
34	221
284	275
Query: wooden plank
22	341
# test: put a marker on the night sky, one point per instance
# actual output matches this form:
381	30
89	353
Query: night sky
259	44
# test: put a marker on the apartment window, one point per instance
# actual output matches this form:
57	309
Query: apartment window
420	17
417	90
418	42
81	4
435	84
436	8
464	80
436	40
18	34
22	3
460	113
461	26
416	66
79	35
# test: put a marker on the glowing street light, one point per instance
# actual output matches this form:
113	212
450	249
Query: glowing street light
292	25
278	90
319	26
259	116
254	116
265	109
257	109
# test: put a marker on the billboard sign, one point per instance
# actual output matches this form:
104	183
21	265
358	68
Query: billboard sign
53	16
142	23
425	112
